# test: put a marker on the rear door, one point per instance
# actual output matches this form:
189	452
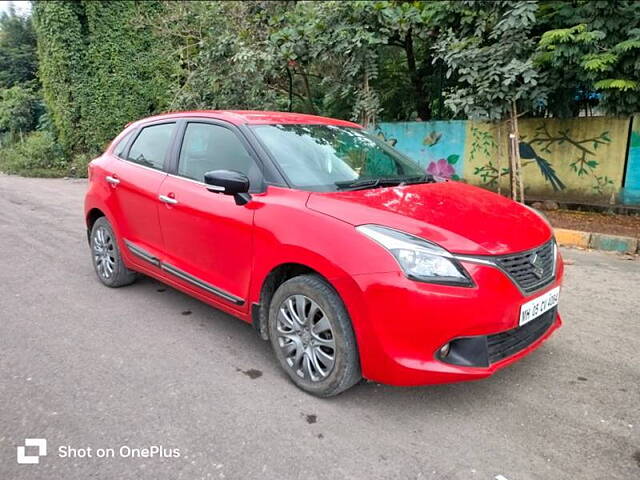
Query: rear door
207	237
135	176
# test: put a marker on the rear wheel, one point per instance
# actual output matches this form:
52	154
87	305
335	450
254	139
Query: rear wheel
106	257
312	337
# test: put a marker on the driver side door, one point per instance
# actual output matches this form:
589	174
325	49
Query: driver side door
207	237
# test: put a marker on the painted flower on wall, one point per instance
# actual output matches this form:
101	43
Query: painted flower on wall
444	167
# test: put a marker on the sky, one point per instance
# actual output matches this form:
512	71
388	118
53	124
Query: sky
21	7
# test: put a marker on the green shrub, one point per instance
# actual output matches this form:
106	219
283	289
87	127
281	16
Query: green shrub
37	155
20	107
78	166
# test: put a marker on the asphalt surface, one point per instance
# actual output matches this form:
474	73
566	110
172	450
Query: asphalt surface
82	365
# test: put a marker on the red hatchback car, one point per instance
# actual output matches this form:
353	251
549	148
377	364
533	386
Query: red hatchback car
340	250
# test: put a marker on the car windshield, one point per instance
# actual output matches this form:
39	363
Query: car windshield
330	158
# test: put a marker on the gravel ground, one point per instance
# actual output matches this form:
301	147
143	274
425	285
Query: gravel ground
86	366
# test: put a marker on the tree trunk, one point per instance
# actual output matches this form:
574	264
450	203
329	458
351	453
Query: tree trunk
290	89
499	158
512	162
307	89
517	183
422	104
366	120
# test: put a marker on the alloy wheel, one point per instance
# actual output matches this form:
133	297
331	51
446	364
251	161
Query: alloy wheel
104	252
306	338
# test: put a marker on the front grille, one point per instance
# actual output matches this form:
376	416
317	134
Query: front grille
505	344
530	270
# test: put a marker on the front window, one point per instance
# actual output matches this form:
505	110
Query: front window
209	147
330	158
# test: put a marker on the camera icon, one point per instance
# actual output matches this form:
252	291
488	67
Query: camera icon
23	458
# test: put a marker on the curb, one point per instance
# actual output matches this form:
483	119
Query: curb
597	241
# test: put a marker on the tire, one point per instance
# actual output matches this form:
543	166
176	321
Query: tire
304	342
106	258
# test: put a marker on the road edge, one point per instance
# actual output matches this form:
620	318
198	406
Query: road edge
597	241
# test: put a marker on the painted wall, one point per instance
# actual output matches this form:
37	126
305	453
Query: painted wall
579	159
631	190
437	146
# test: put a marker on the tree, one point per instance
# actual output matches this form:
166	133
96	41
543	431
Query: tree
99	69
595	46
20	109
18	61
497	79
126	75
221	52
61	54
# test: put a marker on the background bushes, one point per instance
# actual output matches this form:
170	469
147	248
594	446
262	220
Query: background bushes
81	70
37	155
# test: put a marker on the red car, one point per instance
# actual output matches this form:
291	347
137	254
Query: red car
340	250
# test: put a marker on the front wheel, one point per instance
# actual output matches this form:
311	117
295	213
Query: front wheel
106	257
312	337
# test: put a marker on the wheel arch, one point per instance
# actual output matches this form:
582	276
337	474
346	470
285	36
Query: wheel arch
91	217
272	280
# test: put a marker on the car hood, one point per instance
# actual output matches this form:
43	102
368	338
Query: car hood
459	217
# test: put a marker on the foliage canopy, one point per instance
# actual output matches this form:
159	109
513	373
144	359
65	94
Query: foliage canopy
102	64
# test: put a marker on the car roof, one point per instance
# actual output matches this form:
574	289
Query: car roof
252	117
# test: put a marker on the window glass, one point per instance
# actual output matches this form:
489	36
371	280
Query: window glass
209	147
321	157
119	150
150	148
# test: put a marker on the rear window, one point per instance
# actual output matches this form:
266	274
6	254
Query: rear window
120	146
151	145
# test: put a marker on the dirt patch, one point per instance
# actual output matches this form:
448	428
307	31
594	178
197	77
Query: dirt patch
252	373
613	224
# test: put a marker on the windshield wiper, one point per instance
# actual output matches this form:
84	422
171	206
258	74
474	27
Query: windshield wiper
368	183
426	178
383	182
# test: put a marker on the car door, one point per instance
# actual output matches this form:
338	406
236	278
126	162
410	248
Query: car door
135	175
207	237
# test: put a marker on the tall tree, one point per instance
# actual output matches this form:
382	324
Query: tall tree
61	53
18	60
593	47
492	58
99	69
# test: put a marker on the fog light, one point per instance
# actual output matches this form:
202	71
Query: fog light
444	350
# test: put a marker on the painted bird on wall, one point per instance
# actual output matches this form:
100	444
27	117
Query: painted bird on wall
528	153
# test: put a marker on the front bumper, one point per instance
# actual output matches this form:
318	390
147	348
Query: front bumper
401	324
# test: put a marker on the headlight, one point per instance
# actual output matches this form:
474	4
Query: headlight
419	259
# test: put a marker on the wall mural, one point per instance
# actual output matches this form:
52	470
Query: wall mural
582	159
573	158
437	146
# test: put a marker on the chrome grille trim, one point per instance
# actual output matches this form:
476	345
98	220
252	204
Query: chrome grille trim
519	269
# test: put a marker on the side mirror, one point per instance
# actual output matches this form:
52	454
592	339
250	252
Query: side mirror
229	182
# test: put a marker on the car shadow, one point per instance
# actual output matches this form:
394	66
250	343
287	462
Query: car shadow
259	358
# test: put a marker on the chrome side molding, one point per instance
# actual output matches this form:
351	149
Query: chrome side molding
181	274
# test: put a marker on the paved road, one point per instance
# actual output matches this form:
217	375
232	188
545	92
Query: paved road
86	366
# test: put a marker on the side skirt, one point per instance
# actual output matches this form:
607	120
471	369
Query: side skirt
181	274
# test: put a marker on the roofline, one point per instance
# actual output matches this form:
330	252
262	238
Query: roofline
239	117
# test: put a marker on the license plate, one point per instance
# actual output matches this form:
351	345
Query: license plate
536	307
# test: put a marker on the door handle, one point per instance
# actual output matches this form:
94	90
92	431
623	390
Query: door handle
169	200
112	180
